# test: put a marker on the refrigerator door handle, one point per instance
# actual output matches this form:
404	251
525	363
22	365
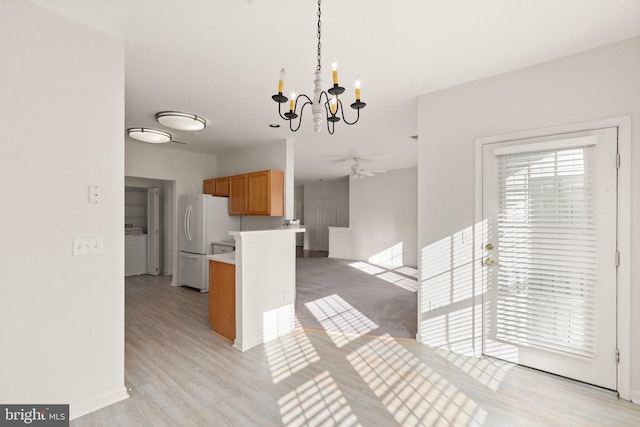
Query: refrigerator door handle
185	225
189	222
189	255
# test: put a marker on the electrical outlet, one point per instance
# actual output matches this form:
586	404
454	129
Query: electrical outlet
95	194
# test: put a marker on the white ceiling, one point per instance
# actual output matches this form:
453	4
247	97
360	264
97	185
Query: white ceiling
220	59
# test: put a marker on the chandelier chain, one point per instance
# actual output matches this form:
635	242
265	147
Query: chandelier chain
319	67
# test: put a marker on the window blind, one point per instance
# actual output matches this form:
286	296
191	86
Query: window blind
547	250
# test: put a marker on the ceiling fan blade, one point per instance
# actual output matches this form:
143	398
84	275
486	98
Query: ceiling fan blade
366	173
178	142
377	170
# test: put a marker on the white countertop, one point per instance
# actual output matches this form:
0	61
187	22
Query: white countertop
267	232
229	257
229	243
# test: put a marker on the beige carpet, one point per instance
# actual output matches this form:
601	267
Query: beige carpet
355	297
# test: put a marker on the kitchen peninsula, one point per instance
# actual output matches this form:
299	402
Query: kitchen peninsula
265	287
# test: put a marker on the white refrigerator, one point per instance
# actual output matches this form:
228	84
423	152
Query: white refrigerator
202	219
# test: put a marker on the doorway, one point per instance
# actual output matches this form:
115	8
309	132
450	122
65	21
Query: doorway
510	299
153	212
327	216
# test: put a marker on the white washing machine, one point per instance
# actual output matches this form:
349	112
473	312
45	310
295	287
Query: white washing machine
135	251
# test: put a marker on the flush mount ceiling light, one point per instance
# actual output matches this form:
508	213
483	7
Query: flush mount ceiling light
332	107
181	121
153	136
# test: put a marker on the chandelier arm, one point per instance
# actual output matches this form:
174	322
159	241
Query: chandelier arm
280	112
326	97
307	102
345	120
331	126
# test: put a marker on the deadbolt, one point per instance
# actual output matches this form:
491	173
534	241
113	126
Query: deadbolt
488	246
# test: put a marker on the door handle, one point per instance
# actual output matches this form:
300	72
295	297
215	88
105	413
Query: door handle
489	261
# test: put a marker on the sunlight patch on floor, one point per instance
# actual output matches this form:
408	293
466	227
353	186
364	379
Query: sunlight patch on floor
408	271
277	322
488	372
392	277
367	268
317	402
400	281
290	354
337	315
413	393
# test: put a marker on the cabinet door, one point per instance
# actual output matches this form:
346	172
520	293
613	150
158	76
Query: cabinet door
222	299
259	193
238	195
222	187
266	193
208	186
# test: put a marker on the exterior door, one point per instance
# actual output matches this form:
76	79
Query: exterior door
153	231
327	216
549	249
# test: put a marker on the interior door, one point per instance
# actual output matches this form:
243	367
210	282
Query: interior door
549	271
327	216
153	231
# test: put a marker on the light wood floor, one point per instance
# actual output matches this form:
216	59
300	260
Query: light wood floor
180	374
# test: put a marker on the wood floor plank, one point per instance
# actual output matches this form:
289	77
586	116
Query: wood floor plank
178	373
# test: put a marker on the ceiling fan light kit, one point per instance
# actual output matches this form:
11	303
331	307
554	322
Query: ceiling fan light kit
330	109
359	172
153	136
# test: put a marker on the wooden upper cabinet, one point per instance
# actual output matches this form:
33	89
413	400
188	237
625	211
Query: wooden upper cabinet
255	193
209	186
222	187
216	186
238	195
266	193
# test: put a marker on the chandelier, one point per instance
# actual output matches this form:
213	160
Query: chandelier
323	105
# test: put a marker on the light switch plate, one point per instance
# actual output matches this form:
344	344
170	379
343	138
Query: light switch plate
88	246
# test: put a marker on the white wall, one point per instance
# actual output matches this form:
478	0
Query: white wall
277	156
62	121
592	85
338	189
384	220
186	169
265	286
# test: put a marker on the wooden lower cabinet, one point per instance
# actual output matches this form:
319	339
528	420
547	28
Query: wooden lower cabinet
222	299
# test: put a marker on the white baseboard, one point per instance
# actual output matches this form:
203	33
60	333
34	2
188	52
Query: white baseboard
244	345
635	396
78	410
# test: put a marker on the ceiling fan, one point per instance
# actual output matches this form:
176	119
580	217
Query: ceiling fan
358	171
